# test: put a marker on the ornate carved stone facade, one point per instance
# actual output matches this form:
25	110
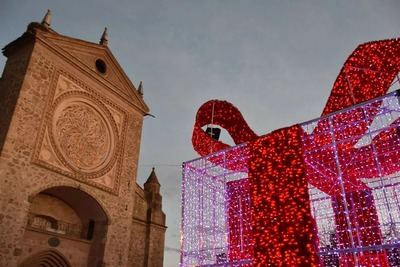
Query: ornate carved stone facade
82	134
70	130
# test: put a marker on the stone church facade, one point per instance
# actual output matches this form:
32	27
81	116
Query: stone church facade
70	131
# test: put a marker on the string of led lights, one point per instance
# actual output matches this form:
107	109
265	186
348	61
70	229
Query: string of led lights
322	193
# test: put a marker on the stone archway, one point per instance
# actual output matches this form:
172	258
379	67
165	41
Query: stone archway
70	220
46	258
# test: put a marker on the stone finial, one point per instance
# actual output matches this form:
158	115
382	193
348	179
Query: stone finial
140	88
104	37
152	178
152	185
47	19
153	196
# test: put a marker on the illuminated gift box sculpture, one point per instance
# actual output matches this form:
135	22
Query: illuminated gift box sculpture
321	193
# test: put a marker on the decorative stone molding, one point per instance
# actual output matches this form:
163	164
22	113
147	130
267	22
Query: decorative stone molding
84	134
85	55
73	184
81	134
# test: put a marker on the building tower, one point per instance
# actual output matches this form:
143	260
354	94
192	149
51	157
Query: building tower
151	213
70	130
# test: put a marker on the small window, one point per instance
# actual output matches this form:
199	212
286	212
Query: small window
101	66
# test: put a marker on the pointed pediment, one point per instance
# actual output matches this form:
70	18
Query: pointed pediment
100	62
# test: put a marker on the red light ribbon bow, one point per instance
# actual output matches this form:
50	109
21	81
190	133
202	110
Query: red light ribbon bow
366	74
278	169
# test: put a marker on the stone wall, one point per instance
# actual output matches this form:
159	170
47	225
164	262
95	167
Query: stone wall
148	228
66	125
22	179
156	252
13	74
43	204
75	250
137	244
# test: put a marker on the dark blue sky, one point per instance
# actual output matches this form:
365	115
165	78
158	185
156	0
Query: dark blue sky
275	60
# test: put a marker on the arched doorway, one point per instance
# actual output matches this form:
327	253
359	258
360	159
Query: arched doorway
70	220
47	258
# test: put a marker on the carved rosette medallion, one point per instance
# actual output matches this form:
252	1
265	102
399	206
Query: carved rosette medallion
83	134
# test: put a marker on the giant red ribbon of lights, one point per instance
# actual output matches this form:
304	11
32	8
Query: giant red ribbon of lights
283	229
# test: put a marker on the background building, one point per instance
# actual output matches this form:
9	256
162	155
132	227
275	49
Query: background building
70	130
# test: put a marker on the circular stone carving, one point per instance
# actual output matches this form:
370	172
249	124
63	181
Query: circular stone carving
84	134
